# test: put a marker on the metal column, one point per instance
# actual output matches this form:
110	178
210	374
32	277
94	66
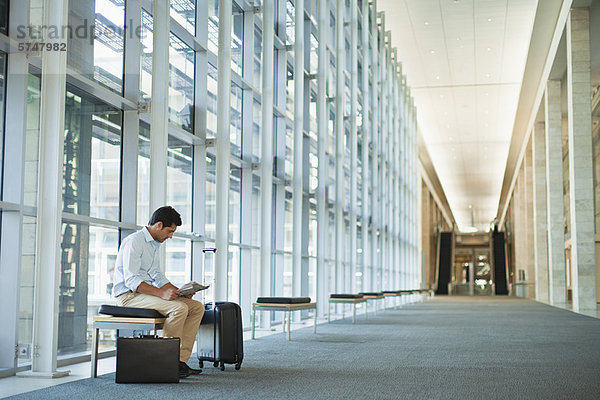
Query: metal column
297	191
322	210
365	130
50	201
159	129
339	146
266	168
353	140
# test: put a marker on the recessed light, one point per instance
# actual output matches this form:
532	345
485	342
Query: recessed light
487	94
489	49
487	75
437	77
489	20
426	22
458	38
432	51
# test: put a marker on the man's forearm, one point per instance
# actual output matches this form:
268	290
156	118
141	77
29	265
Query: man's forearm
148	289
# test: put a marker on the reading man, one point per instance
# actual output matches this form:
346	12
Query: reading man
139	282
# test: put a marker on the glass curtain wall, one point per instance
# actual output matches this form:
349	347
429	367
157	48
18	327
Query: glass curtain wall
98	162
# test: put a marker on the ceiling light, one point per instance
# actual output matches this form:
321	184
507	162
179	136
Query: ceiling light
487	94
458	38
489	49
448	126
450	138
437	77
487	75
489	20
432	51
426	22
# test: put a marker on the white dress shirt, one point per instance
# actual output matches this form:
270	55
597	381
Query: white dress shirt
138	261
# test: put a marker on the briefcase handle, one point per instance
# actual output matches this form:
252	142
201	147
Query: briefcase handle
141	336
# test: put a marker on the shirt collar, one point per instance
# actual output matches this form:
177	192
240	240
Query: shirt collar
147	235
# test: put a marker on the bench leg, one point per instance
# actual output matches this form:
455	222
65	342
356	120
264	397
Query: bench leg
328	312
289	324
253	321
354	313
315	323
94	360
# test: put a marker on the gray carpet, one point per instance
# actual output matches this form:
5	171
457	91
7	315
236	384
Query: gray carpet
445	348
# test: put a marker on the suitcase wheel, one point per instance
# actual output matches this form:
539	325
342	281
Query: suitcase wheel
216	364
238	366
222	366
201	364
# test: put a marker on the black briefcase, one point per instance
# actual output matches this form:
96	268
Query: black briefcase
147	359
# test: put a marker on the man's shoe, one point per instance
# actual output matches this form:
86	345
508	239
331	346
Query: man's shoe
184	371
183	367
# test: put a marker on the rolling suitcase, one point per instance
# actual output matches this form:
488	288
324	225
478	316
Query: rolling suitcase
220	338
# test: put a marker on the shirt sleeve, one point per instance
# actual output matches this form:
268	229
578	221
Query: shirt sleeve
132	260
157	276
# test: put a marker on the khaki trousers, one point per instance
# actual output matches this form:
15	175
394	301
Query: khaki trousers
183	317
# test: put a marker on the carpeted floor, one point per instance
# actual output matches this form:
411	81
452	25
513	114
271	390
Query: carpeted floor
445	348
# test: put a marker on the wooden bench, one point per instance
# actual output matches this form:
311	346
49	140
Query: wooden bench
285	304
353	299
373	296
130	323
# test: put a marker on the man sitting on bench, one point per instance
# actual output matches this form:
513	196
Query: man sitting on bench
139	282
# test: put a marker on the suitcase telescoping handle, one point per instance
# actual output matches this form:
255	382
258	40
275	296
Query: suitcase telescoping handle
204	251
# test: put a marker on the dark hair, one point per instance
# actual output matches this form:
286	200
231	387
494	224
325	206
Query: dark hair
167	215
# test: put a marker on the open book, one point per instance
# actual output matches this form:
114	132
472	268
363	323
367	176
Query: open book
191	288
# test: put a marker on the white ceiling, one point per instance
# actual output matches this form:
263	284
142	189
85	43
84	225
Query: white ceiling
464	62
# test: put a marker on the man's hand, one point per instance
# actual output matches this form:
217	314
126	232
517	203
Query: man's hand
169	292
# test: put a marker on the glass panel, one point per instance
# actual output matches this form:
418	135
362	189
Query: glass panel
32	141
290	23
184	12
92	157
179	180
256	222
181	84
235	205
256	138
178	267
213	25
235	134
288	223
257	57
95	46
146	61
2	98
88	255
233	274
211	103
237	36
211	197
287	275
26	286
143	178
